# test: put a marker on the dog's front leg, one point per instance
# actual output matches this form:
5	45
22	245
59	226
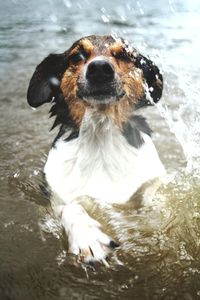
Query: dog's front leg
85	237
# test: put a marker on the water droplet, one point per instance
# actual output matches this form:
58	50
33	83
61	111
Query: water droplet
53	18
9	224
67	3
16	175
124	286
35	172
54	81
105	19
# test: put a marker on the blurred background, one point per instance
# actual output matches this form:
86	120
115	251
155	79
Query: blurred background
160	253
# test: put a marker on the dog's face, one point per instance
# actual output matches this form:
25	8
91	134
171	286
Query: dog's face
97	71
101	72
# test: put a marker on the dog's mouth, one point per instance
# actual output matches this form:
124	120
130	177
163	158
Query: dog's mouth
101	93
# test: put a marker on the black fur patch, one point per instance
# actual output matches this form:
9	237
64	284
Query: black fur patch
46	79
133	128
63	119
153	78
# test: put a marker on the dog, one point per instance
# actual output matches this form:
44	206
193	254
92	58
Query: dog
103	150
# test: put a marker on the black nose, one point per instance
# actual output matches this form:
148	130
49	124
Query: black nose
100	71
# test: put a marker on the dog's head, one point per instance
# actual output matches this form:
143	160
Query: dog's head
97	71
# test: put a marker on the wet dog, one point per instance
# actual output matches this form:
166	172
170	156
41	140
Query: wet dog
103	150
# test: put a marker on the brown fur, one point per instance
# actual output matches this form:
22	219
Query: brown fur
85	44
128	75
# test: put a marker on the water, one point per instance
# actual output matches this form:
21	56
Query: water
160	253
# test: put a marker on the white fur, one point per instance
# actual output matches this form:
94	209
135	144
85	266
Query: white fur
84	234
101	164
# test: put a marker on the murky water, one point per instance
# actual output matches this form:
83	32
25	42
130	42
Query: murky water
160	253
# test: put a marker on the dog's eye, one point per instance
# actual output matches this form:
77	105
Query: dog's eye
122	55
78	57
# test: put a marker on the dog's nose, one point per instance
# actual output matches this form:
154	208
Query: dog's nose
100	71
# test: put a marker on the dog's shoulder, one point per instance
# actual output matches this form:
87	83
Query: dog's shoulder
133	129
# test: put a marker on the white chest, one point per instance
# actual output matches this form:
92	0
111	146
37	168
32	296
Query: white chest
100	164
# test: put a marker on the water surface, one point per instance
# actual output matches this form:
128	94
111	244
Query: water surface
160	253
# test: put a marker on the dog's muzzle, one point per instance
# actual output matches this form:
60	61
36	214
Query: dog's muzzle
100	72
100	83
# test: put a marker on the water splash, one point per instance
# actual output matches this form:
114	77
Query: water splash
183	118
184	122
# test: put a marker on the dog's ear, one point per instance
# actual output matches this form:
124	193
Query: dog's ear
153	81
46	79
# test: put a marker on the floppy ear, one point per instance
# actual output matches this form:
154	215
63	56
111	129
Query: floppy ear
46	79
153	80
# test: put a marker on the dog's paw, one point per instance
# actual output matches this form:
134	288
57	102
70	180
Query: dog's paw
85	237
90	243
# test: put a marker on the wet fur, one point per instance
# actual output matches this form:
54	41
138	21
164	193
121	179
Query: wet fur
102	150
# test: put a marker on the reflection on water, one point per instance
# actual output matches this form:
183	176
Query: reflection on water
160	245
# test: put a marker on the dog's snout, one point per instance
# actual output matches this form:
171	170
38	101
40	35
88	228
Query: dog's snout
100	71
